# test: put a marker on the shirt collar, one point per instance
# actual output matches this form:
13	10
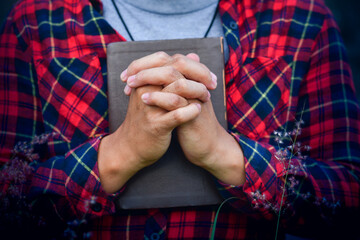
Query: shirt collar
98	6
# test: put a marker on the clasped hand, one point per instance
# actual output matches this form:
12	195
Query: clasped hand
183	82
168	92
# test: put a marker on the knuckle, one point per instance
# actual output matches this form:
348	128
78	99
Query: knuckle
134	67
180	61
204	92
175	102
178	117
203	66
140	76
202	87
206	72
177	55
162	56
205	96
172	73
141	90
181	85
209	76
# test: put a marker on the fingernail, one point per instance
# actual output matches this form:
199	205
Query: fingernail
209	95
145	97
130	80
213	79
127	90
123	75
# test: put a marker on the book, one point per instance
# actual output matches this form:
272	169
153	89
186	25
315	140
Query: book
172	181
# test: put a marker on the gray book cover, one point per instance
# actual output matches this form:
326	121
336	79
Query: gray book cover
172	181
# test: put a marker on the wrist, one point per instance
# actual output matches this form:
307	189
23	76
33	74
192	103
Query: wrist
114	161
226	161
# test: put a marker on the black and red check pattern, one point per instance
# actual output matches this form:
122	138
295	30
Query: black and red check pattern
286	60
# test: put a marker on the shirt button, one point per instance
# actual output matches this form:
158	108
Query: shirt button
233	25
96	207
155	236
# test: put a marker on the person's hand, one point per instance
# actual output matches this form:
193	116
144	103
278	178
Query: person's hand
142	138
203	140
208	145
145	134
184	75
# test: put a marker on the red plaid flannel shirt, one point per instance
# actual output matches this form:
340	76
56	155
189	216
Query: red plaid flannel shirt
287	63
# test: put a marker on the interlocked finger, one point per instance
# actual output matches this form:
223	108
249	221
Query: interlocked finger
188	89
194	70
150	61
164	100
180	116
160	76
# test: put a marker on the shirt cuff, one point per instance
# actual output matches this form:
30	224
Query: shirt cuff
83	187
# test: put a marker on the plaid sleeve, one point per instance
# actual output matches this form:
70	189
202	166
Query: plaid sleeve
309	163
75	177
49	124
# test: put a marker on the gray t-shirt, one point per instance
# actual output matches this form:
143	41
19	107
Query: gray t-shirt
165	19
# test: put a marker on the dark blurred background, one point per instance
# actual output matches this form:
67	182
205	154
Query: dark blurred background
347	14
